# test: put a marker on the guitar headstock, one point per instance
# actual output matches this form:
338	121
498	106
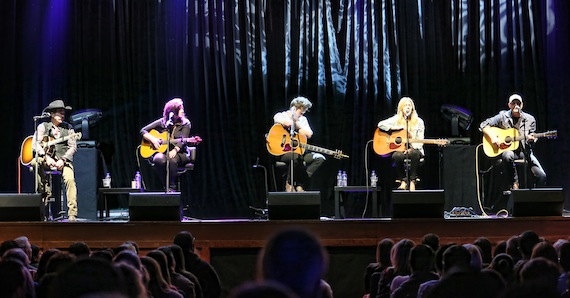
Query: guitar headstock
551	134
338	154
195	139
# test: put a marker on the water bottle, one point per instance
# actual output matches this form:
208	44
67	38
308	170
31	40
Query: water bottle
373	179
344	179
107	181
339	178
138	180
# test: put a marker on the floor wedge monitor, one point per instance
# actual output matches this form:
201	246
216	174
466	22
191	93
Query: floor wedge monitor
418	204
154	206
20	207
294	205
537	202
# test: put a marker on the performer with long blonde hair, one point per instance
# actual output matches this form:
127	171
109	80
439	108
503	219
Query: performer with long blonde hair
406	117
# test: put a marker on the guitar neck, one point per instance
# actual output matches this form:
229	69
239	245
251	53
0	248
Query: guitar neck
423	141
536	135
63	139
318	149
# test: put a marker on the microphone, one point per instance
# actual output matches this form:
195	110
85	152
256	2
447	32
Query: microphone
43	115
169	122
407	113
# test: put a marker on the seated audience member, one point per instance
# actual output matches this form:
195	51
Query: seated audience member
460	279
15	278
431	240
79	249
454	259
476	259
206	274
295	258
485	248
538	278
36	255
157	286
513	248
500	248
42	265
564	261
89	277
180	267
504	265
382	262
421	263
133	280
400	256
546	250
182	283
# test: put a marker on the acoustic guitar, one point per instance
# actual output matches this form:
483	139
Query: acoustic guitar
278	142
509	140
385	143
147	150
27	152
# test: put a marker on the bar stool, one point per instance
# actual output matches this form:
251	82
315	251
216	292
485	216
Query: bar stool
518	164
48	208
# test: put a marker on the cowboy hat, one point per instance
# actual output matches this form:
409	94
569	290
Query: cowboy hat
56	104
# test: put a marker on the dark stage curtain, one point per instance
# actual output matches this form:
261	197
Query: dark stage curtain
236	63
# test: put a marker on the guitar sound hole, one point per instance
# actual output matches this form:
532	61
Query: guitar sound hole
398	141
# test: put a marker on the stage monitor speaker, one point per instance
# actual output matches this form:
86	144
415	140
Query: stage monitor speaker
537	202
418	204
154	206
294	205
20	207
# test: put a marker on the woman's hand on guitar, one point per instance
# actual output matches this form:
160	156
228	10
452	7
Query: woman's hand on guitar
156	142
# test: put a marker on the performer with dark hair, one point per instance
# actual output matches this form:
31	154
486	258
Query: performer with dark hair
156	134
295	117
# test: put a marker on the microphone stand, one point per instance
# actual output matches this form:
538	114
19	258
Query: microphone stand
407	160
169	127
526	150
36	156
292	134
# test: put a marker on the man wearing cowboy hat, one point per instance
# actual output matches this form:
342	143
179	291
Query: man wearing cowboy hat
59	156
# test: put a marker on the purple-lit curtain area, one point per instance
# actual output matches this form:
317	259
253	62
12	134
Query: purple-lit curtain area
236	63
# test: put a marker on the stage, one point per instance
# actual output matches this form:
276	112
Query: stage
231	246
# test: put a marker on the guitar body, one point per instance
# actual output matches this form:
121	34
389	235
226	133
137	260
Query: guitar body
26	151
147	150
278	141
507	137
385	143
48	143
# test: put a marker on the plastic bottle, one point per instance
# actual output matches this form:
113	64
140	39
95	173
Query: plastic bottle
107	180
339	178
373	179
138	180
344	178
